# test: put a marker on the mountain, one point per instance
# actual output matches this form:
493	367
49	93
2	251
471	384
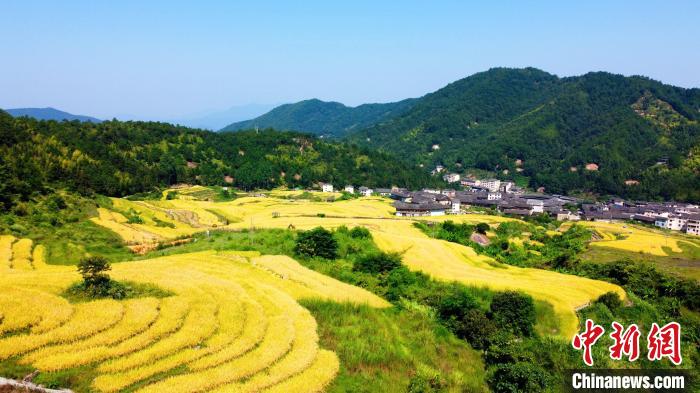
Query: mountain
217	120
118	158
49	114
638	137
324	118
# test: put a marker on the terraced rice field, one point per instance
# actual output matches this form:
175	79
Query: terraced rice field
233	324
440	259
19	254
634	238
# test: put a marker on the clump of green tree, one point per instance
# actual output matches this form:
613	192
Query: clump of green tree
97	284
118	158
317	242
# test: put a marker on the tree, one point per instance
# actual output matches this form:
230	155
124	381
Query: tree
93	269
515	311
376	263
611	300
317	242
477	329
482	228
519	377
453	307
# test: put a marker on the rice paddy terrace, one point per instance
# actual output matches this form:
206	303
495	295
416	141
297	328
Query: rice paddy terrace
232	324
440	259
233	321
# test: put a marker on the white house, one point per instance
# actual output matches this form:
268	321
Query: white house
672	222
693	227
492	184
494	196
451	177
350	189
365	191
536	205
438	169
456	206
506	186
326	187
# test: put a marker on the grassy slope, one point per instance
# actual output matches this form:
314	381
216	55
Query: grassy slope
380	350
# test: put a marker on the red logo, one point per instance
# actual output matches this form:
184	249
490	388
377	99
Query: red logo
662	342
665	342
587	339
626	342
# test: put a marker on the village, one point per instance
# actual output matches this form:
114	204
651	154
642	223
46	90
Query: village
506	198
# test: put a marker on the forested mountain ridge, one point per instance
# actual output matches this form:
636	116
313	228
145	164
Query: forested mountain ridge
643	136
49	114
324	118
119	158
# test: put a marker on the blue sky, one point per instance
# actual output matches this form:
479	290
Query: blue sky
169	59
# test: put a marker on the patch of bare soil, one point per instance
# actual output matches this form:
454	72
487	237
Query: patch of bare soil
480	239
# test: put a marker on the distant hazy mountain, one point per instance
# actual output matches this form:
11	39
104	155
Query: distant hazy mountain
324	118
217	120
49	114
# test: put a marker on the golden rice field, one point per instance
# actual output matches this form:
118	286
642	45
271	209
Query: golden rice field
442	260
232	325
634	238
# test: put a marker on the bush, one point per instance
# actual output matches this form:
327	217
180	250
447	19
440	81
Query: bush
93	270
454	306
514	311
482	228
377	262
477	329
426	380
317	242
611	300
518	377
360	233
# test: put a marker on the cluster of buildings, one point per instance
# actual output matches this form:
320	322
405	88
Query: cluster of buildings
505	197
439	202
683	217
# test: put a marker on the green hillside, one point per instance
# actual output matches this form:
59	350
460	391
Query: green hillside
324	118
633	128
120	158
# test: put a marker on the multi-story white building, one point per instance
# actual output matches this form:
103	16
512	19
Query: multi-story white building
451	177
456	206
350	189
326	187
506	186
365	191
692	227
492	185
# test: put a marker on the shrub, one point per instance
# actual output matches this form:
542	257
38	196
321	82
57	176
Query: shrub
426	380
611	300
377	262
515	311
360	233
317	242
453	307
93	269
482	228
518	377
477	329
96	283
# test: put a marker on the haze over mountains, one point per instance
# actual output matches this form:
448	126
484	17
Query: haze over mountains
596	133
49	114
